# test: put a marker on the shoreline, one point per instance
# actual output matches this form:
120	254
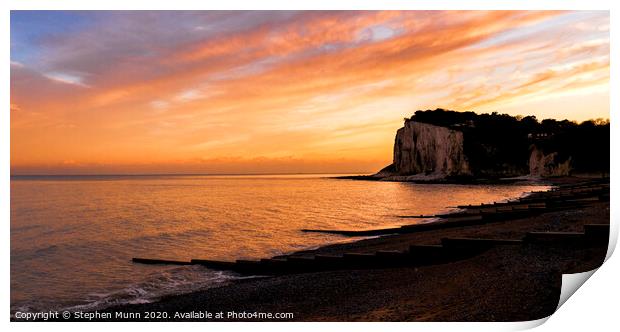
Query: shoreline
320	296
327	296
471	180
439	180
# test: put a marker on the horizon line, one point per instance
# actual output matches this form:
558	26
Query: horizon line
189	174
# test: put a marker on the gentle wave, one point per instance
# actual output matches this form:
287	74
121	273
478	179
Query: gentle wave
72	239
180	280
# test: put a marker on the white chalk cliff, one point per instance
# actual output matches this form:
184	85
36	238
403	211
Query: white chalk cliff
546	165
425	151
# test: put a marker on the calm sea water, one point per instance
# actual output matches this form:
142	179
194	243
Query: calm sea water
72	238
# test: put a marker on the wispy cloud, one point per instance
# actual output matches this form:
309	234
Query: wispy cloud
158	86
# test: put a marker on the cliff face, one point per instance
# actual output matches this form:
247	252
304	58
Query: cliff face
429	150
425	152
446	145
546	165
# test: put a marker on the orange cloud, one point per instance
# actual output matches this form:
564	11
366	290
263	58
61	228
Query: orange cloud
326	89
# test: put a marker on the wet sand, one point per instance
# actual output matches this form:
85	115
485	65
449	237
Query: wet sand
505	283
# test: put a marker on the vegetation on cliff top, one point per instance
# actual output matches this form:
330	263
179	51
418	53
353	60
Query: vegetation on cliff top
500	144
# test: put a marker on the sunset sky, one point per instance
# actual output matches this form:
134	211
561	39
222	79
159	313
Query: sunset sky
281	92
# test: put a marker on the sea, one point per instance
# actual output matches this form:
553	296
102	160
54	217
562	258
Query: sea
73	237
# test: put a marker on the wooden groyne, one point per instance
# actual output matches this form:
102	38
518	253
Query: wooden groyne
450	249
151	261
563	197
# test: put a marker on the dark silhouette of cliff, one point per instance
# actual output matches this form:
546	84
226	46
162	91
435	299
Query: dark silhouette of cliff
500	145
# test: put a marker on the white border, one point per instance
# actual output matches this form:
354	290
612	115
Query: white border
593	306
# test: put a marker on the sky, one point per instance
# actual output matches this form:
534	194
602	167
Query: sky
114	92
